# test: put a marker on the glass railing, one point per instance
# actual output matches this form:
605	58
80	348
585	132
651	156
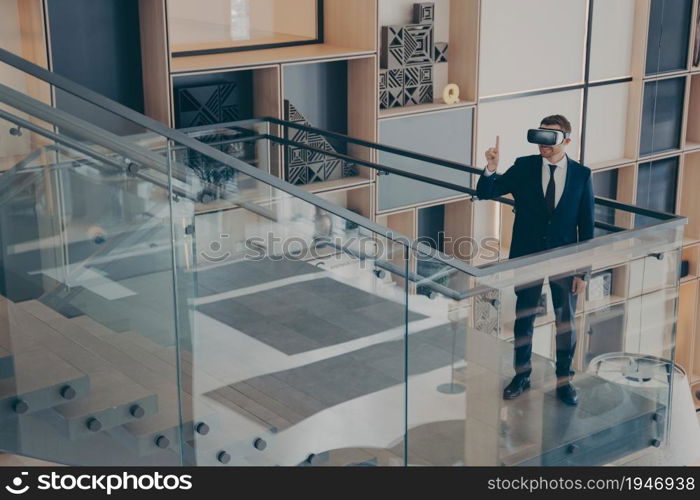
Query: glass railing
203	297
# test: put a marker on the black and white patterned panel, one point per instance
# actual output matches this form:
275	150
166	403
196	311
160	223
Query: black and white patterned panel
304	165
207	105
418	47
599	286
486	312
407	57
424	12
441	52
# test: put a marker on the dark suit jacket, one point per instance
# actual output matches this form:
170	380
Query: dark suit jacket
534	229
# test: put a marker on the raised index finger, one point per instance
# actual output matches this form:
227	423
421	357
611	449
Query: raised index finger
498	140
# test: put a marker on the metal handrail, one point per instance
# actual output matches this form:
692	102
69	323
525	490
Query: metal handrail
181	138
135	154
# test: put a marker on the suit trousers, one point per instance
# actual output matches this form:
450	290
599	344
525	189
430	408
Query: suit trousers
564	302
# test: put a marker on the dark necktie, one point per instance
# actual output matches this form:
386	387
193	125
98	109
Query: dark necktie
550	195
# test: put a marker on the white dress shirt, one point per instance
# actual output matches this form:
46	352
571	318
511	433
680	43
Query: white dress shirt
559	177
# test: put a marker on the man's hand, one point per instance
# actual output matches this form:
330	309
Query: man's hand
578	286
492	156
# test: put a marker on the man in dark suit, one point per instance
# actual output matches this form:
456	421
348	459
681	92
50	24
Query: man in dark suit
554	206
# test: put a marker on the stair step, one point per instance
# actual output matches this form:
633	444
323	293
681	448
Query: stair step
112	393
167	354
242	451
139	355
41	381
143	436
112	397
12	337
155	368
39	310
7	364
150	353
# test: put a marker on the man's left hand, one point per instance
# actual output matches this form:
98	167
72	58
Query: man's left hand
578	286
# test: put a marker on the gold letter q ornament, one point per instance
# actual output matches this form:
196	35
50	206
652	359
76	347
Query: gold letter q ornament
450	94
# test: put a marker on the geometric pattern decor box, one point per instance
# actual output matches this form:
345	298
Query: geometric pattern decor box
486	317
305	166
219	175
408	54
209	104
599	286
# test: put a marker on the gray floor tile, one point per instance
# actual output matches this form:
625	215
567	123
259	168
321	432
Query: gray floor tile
324	310
282	338
232	312
314	327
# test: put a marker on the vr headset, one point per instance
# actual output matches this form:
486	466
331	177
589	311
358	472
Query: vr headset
546	136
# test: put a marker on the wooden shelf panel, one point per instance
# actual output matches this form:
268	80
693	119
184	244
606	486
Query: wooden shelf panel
694	371
256	38
439	105
688	191
406	224
603	165
692	255
337	184
214	62
686	328
692	134
357	199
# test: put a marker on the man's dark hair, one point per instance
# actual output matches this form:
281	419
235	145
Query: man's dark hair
559	120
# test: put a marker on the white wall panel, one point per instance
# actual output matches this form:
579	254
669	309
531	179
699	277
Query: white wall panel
512	118
606	122
611	39
543	341
530	44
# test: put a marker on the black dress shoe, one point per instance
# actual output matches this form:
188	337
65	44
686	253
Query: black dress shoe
567	394
516	387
